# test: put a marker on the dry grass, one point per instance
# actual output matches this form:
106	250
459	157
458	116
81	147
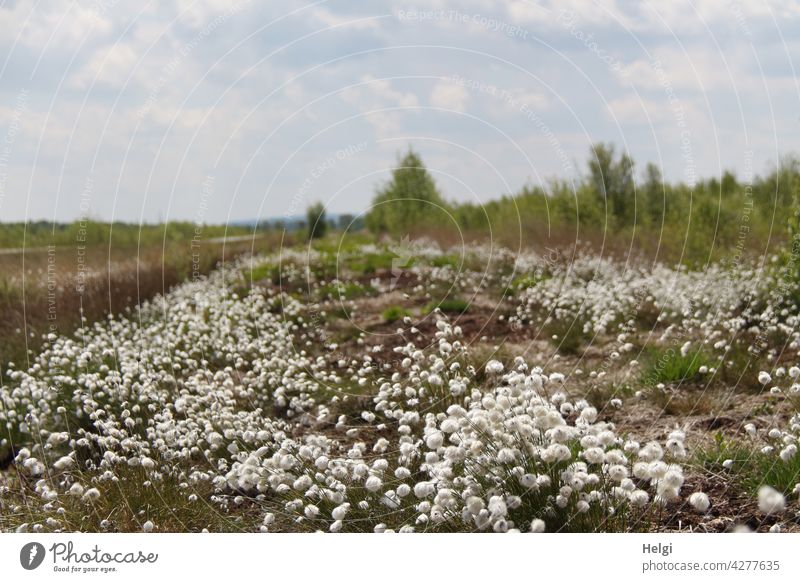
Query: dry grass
48	291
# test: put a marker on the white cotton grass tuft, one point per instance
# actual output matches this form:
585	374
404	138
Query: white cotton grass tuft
537	526
788	453
770	500
699	501
91	495
494	367
373	484
340	511
420	444
434	440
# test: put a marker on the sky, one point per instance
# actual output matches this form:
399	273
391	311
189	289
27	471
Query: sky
217	111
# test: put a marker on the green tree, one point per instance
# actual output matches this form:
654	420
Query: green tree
778	189
612	180
409	201
729	185
316	221
655	195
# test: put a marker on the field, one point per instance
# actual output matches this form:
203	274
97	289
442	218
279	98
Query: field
52	277
362	385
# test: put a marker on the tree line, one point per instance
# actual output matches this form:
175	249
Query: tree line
610	202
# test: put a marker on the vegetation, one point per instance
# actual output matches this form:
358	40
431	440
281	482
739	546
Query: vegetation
751	466
672	365
284	378
409	203
117	235
300	409
568	336
719	218
69	275
394	313
316	221
450	305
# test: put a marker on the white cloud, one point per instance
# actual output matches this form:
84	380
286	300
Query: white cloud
192	87
329	19
199	13
373	93
636	109
547	12
690	70
449	96
53	24
678	17
110	66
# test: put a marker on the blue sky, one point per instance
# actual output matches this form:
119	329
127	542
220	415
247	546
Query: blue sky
214	111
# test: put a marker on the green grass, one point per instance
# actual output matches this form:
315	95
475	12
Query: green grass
117	235
670	366
340	244
446	261
521	283
127	504
371	263
346	291
9	292
265	272
394	313
452	306
740	367
751	468
326	267
600	395
568	335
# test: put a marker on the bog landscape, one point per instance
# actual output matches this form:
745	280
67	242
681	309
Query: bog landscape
618	355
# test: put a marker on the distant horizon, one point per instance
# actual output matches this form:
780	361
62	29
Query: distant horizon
300	216
241	222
